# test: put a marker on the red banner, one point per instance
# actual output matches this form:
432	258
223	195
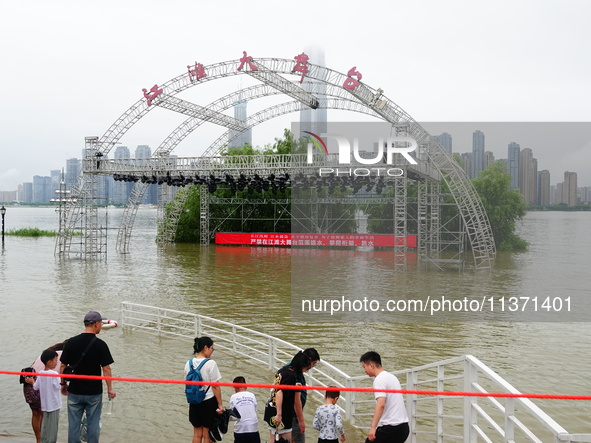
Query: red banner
328	240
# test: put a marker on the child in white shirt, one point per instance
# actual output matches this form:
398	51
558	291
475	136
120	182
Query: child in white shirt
51	399
246	429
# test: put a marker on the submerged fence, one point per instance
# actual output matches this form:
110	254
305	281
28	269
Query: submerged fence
434	415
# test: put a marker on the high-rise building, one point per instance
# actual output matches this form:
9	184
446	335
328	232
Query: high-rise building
585	195
477	153
121	189
314	120
569	188
554	200
535	183
445	140
527	176
237	138
8	196
19	193
489	159
27	194
544	187
559	193
56	176
121	153
42	191
468	164
73	166
105	186
151	195
513	163
143	151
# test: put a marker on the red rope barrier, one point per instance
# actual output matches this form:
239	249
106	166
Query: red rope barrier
310	388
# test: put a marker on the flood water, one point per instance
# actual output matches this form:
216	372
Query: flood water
43	301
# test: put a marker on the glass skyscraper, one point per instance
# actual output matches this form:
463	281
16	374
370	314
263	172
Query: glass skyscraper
477	153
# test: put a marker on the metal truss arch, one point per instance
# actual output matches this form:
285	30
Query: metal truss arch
216	71
281	109
274	73
166	147
193	123
169	228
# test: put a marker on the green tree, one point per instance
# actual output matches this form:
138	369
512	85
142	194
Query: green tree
381	216
188	226
261	217
503	205
245	149
269	217
287	145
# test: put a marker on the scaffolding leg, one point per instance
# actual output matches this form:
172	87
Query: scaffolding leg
204	215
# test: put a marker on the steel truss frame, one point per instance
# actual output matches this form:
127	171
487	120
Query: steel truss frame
438	245
321	221
192	123
273	72
238	212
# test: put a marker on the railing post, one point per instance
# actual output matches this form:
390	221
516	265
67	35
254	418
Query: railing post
350	403
234	339
158	321
271	354
470	414
197	326
440	398
509	423
411	404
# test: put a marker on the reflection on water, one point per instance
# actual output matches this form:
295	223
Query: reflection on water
43	299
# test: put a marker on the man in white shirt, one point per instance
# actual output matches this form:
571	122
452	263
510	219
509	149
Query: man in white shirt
390	419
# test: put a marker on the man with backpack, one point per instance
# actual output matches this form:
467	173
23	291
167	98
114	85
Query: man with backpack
86	354
205	402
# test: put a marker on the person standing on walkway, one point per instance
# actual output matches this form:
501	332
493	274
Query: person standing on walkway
280	408
90	356
203	416
390	419
328	420
298	428
246	429
33	398
51	399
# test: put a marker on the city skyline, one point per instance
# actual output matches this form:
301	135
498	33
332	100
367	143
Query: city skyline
521	163
522	167
579	134
568	141
532	182
66	83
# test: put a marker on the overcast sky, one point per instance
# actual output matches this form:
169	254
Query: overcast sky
71	68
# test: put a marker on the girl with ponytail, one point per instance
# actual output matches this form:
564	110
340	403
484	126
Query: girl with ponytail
203	415
280	410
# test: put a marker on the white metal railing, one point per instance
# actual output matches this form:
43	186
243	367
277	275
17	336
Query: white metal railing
261	348
431	417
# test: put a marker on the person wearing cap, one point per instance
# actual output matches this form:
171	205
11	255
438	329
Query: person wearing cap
91	356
